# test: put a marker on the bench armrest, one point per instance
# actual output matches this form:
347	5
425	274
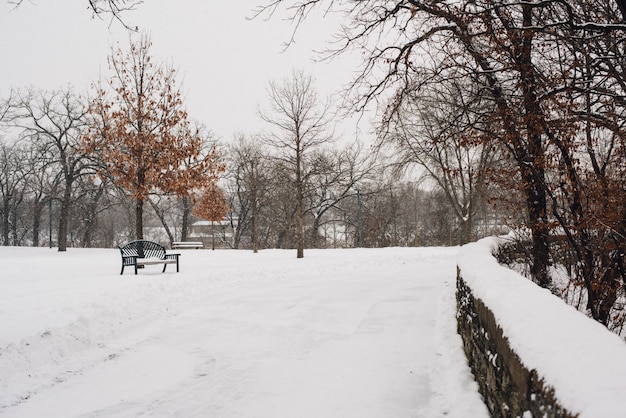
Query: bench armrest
129	260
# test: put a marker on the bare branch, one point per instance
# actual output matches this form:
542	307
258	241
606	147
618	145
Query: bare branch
101	8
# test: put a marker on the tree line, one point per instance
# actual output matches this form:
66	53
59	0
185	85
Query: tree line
85	170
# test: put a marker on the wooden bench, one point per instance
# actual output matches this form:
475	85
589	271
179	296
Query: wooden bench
142	253
187	244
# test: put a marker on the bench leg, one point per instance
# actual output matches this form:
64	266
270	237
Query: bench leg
164	267
135	268
122	272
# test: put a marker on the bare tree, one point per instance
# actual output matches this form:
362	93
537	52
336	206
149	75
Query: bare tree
43	183
32	167
278	213
301	123
438	132
54	122
333	175
247	190
13	172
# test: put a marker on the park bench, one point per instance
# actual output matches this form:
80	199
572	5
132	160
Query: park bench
187	244
142	253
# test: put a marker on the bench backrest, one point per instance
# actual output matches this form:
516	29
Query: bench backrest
143	249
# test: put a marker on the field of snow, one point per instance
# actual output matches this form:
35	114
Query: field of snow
340	333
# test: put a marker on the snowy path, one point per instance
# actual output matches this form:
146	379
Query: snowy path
340	333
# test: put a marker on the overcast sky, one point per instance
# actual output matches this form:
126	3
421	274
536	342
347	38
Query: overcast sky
225	60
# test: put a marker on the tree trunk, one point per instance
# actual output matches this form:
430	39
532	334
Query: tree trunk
534	173
255	233
538	223
466	230
139	218
185	221
255	213
212	235
14	236
299	215
64	216
91	216
62	234
37	211
5	222
315	232
609	285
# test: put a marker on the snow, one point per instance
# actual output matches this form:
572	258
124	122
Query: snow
340	333
583	361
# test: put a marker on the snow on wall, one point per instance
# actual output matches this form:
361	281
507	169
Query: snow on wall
579	358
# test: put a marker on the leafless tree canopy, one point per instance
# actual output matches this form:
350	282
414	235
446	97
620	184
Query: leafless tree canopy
114	9
54	121
300	123
101	6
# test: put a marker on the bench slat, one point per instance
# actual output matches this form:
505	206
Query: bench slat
187	244
145	262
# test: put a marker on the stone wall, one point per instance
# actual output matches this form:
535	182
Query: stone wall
508	387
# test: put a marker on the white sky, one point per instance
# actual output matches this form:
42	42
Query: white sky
224	59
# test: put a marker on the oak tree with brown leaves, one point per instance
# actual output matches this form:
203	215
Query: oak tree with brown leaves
212	206
140	129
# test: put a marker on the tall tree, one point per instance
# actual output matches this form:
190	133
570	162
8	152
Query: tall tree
301	123
438	131
140	130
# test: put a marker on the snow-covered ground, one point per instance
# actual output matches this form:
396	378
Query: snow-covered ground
340	333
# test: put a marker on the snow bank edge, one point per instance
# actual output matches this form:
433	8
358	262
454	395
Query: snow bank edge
578	358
